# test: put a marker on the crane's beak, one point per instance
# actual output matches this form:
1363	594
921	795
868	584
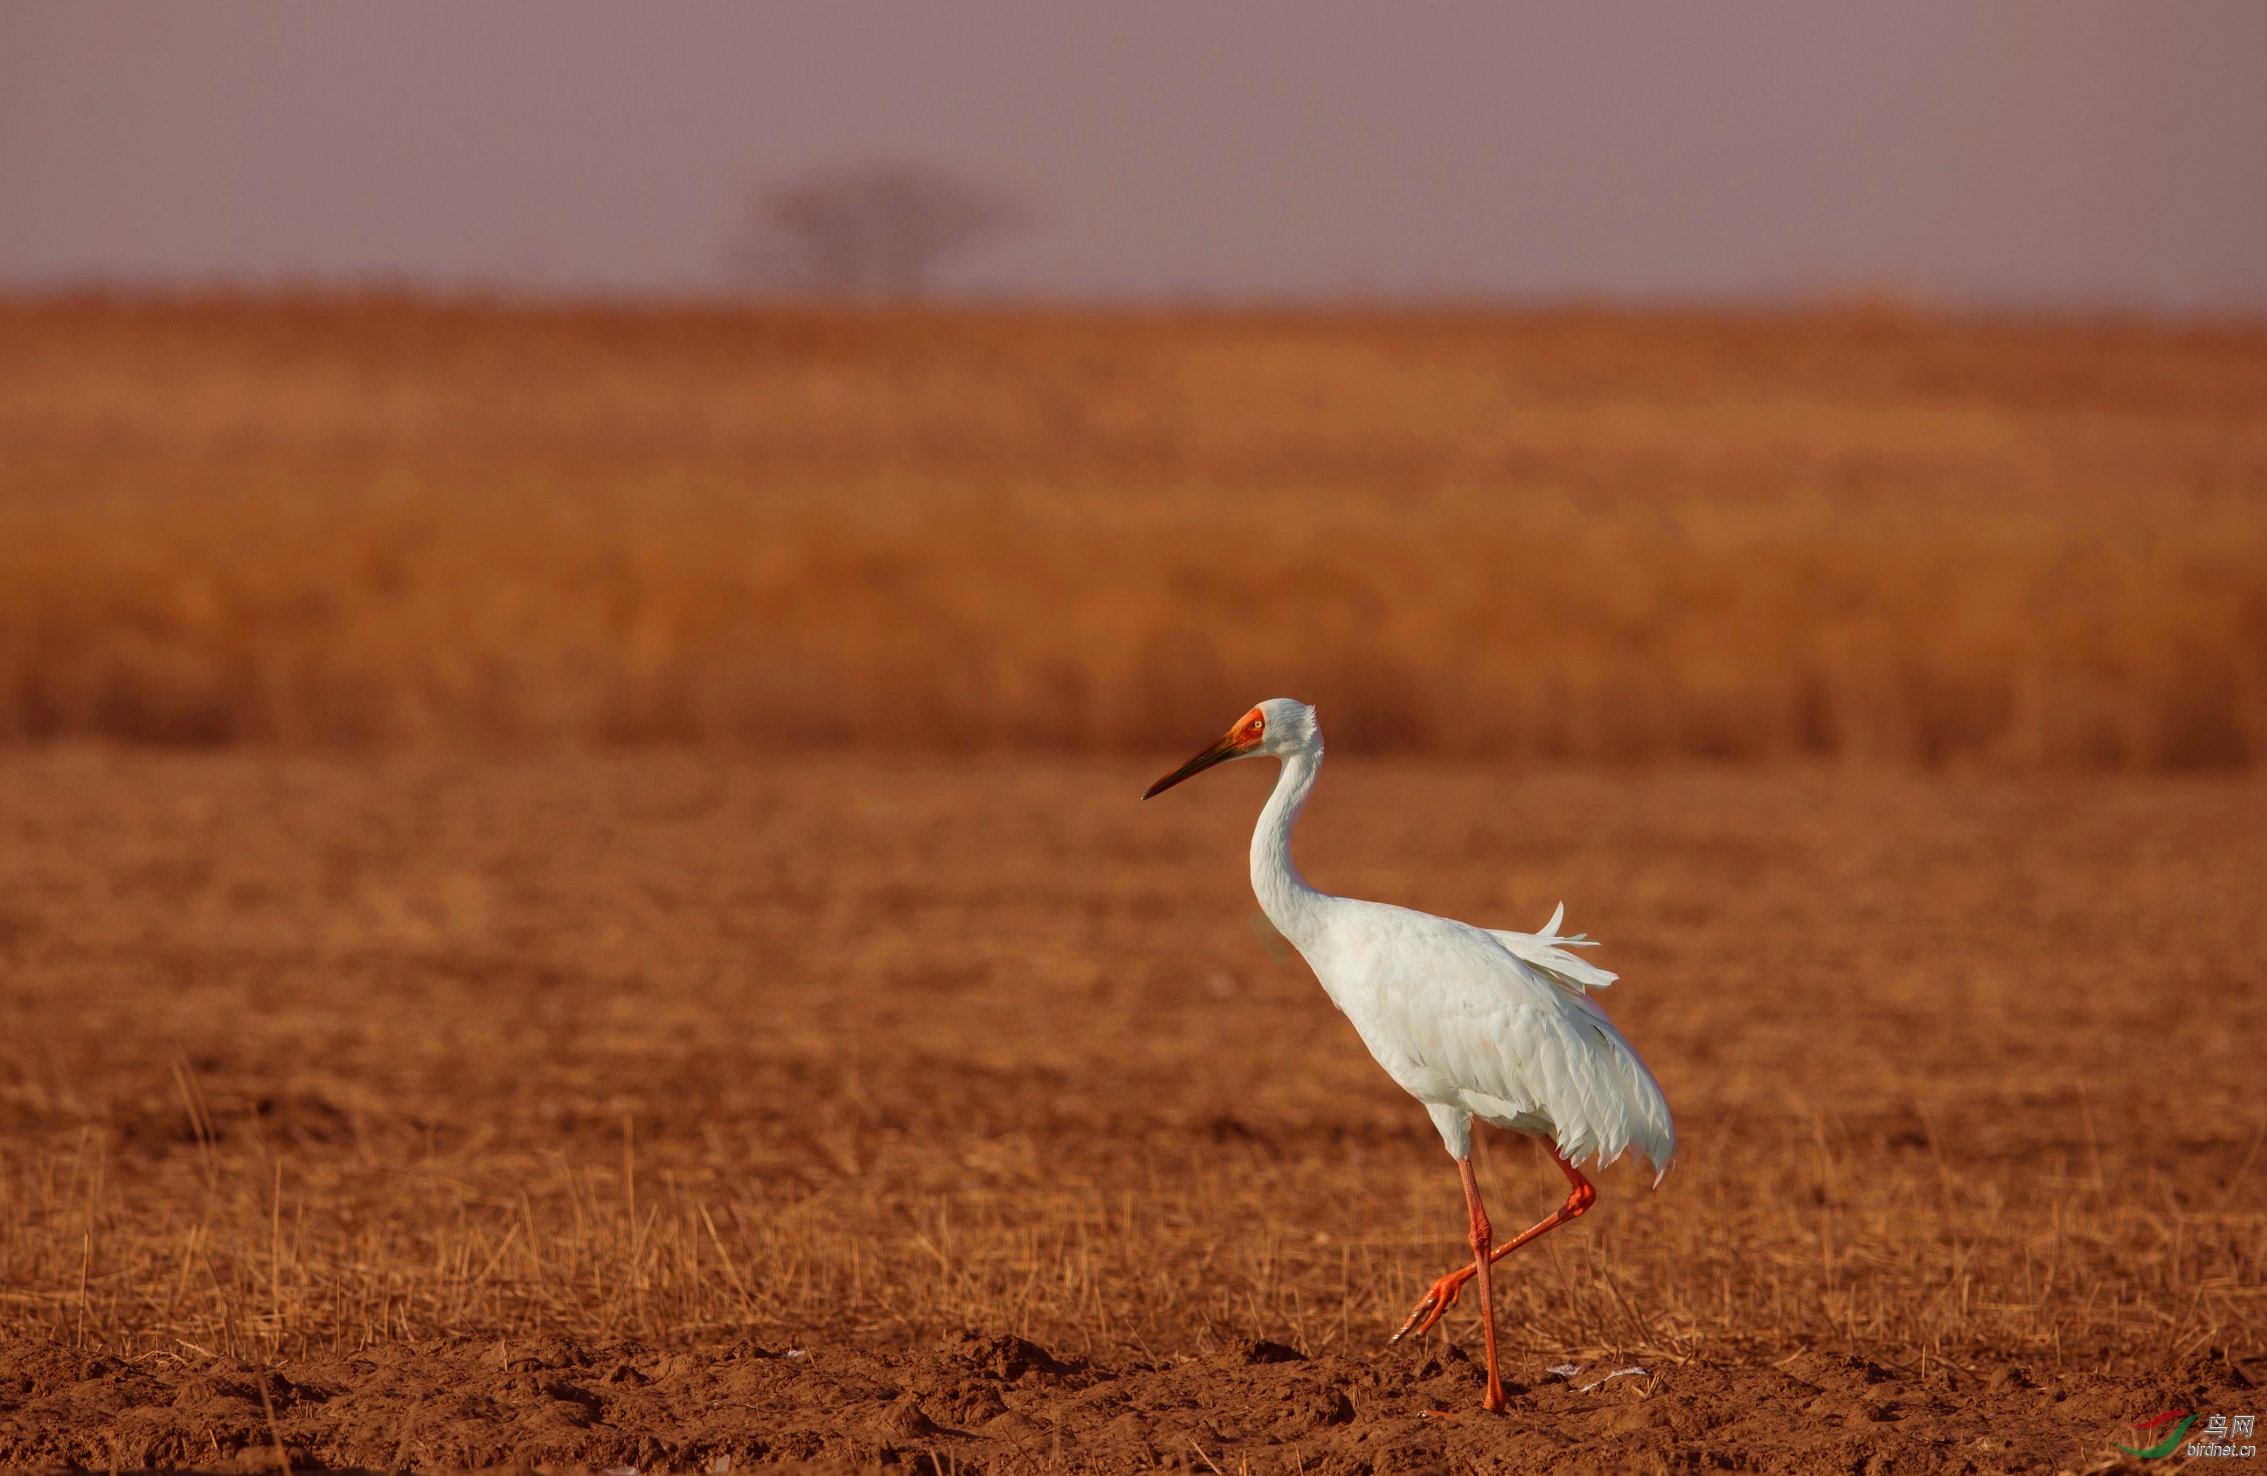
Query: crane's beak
1219	753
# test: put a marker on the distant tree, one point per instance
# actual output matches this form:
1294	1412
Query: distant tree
876	232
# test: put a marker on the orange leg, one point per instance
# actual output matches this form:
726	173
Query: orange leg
1482	1234
1436	1302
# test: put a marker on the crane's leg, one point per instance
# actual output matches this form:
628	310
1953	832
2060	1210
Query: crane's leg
1580	1195
1482	1234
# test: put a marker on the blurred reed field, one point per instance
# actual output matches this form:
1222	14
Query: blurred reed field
1575	535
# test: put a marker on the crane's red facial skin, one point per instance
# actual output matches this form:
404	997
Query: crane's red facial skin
1249	732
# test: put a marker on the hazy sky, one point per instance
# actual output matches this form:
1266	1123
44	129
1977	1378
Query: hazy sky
2094	152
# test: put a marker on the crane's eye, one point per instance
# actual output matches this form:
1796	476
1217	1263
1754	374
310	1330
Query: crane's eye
1253	729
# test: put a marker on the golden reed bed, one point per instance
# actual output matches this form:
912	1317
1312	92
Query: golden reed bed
1572	535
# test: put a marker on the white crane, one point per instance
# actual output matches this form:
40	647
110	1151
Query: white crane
1472	1022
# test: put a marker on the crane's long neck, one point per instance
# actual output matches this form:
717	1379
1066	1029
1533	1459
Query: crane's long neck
1290	904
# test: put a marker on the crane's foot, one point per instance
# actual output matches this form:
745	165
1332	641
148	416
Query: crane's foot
1434	1304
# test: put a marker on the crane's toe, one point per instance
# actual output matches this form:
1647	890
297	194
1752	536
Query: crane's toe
1434	1304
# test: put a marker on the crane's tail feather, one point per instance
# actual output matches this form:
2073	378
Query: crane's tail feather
1585	1086
1546	952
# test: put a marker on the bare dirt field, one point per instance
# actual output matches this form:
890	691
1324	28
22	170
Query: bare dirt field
648	1109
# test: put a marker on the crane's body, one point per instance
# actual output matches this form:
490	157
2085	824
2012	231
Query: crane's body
1472	1022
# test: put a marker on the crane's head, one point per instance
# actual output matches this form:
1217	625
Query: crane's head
1277	728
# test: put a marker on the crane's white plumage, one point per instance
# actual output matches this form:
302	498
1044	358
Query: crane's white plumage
1478	1023
1472	1022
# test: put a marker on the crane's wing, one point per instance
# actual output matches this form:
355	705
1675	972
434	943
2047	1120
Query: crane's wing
1465	1020
1546	952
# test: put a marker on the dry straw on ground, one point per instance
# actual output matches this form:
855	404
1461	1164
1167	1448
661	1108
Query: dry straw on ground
1573	536
306	1058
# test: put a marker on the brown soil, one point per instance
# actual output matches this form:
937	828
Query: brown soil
996	1402
647	1109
